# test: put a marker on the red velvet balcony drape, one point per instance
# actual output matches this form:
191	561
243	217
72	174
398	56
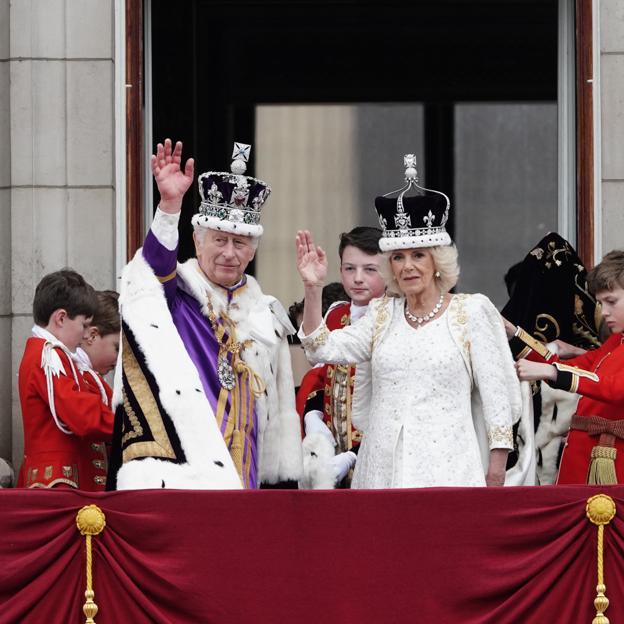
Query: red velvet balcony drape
475	556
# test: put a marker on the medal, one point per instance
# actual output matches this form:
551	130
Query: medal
226	375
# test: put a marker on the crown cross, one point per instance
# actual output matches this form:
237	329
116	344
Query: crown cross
241	152
402	221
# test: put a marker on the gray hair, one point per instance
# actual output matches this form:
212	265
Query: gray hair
444	261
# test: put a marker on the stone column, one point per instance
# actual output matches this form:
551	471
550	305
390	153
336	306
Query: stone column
58	195
5	236
306	154
612	122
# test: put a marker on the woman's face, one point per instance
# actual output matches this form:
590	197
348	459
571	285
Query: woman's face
414	270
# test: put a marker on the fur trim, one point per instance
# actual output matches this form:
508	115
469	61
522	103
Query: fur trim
413	242
259	318
209	465
318	471
551	431
213	223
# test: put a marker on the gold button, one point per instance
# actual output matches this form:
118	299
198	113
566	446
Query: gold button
100	480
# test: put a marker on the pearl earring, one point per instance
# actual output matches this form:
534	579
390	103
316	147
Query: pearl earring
437	273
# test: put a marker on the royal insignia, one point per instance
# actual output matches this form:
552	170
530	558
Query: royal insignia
226	375
426	206
232	201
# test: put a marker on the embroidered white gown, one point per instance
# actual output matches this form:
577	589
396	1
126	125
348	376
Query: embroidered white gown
420	431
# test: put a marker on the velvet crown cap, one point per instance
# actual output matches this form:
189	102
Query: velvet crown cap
232	202
415	221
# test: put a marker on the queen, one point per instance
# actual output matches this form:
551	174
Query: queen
443	391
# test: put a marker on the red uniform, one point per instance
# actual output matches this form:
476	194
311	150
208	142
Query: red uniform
51	456
336	384
598	376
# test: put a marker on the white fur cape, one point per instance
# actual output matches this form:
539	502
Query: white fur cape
259	318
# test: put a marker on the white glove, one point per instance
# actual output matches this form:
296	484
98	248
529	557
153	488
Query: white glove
342	463
314	423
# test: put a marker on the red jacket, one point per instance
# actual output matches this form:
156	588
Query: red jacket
51	456
331	381
598	376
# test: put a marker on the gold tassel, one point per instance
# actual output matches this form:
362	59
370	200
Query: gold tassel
602	466
600	510
236	451
90	521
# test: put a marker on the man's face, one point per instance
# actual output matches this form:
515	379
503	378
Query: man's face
223	257
360	275
612	302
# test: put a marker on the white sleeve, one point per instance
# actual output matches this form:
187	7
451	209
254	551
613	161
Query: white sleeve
362	396
165	228
493	372
350	345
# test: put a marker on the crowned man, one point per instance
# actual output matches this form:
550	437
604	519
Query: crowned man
205	392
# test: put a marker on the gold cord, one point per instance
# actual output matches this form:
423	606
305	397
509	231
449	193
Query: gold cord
90	521
600	510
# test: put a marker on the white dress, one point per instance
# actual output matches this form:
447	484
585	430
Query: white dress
420	430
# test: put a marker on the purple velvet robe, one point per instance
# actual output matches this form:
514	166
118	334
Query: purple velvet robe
203	349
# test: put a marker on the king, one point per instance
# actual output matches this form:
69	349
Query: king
204	395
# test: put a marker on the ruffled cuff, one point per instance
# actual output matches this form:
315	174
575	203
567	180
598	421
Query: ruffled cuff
165	228
500	436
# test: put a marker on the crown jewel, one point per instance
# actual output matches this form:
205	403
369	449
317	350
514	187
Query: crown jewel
419	221
232	201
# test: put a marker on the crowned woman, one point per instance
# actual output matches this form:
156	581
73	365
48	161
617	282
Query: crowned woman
443	382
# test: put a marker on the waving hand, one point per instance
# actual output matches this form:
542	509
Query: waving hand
171	180
311	260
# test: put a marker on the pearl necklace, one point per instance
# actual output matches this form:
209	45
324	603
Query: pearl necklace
427	317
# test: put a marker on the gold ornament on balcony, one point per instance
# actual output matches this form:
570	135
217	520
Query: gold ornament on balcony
90	521
600	510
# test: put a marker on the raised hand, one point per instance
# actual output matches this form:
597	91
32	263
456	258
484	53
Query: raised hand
172	182
311	260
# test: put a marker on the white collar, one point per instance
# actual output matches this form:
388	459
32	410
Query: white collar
39	332
357	311
81	357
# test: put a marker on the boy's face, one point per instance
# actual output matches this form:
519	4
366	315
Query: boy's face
102	350
71	332
612	302
360	275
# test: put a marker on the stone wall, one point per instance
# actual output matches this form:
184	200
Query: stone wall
57	187
612	122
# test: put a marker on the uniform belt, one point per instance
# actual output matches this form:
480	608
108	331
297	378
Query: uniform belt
608	430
